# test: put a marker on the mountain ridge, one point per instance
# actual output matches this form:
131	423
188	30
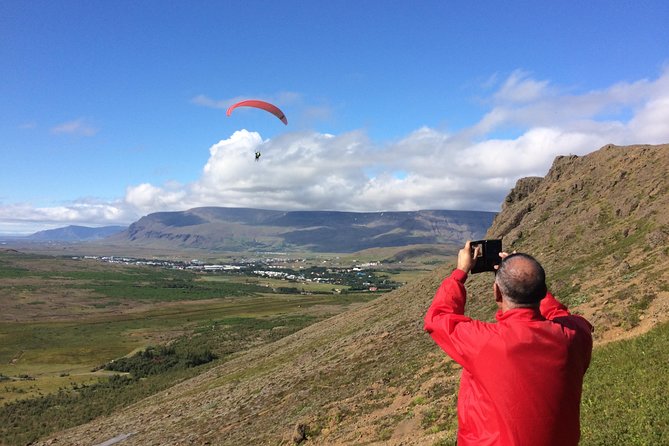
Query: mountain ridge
75	233
244	229
609	211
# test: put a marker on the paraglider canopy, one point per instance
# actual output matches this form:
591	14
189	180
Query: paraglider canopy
273	109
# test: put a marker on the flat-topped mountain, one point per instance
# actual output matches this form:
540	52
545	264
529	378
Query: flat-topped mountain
75	233
242	229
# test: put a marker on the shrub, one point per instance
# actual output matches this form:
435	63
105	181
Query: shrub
156	360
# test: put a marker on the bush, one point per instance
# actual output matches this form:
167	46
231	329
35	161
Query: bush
156	360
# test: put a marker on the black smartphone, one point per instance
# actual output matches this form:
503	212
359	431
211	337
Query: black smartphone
488	256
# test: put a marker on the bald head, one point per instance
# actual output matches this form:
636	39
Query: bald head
521	279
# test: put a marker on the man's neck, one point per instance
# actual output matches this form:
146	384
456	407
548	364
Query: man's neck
508	305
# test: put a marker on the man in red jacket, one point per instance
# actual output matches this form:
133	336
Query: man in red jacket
522	376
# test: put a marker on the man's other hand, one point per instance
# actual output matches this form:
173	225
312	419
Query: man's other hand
503	255
467	257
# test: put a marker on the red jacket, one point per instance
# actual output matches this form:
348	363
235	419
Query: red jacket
522	376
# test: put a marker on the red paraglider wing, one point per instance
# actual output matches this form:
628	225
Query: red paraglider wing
273	109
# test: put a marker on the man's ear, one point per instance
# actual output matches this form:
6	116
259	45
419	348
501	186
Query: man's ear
497	292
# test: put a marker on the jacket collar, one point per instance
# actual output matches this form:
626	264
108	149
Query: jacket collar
520	314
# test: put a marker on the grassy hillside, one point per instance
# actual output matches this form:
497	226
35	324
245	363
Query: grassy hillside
625	397
358	375
599	224
374	378
62	318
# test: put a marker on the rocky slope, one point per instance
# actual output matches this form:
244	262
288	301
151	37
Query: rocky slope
599	223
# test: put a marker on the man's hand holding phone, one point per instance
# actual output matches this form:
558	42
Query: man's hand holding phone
480	255
467	257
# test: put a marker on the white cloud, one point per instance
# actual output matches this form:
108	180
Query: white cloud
206	101
79	127
650	124
466	170
428	169
520	88
25	218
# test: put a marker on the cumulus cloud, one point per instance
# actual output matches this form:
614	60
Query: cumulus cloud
473	168
520	88
25	218
79	127
470	169
650	123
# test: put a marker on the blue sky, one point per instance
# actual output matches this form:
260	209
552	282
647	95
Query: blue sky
113	110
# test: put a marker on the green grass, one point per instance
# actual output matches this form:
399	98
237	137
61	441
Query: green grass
51	347
264	282
626	392
24	421
62	357
73	403
148	284
145	284
9	271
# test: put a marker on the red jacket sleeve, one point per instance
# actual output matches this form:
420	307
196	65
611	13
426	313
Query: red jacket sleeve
555	311
458	335
551	308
